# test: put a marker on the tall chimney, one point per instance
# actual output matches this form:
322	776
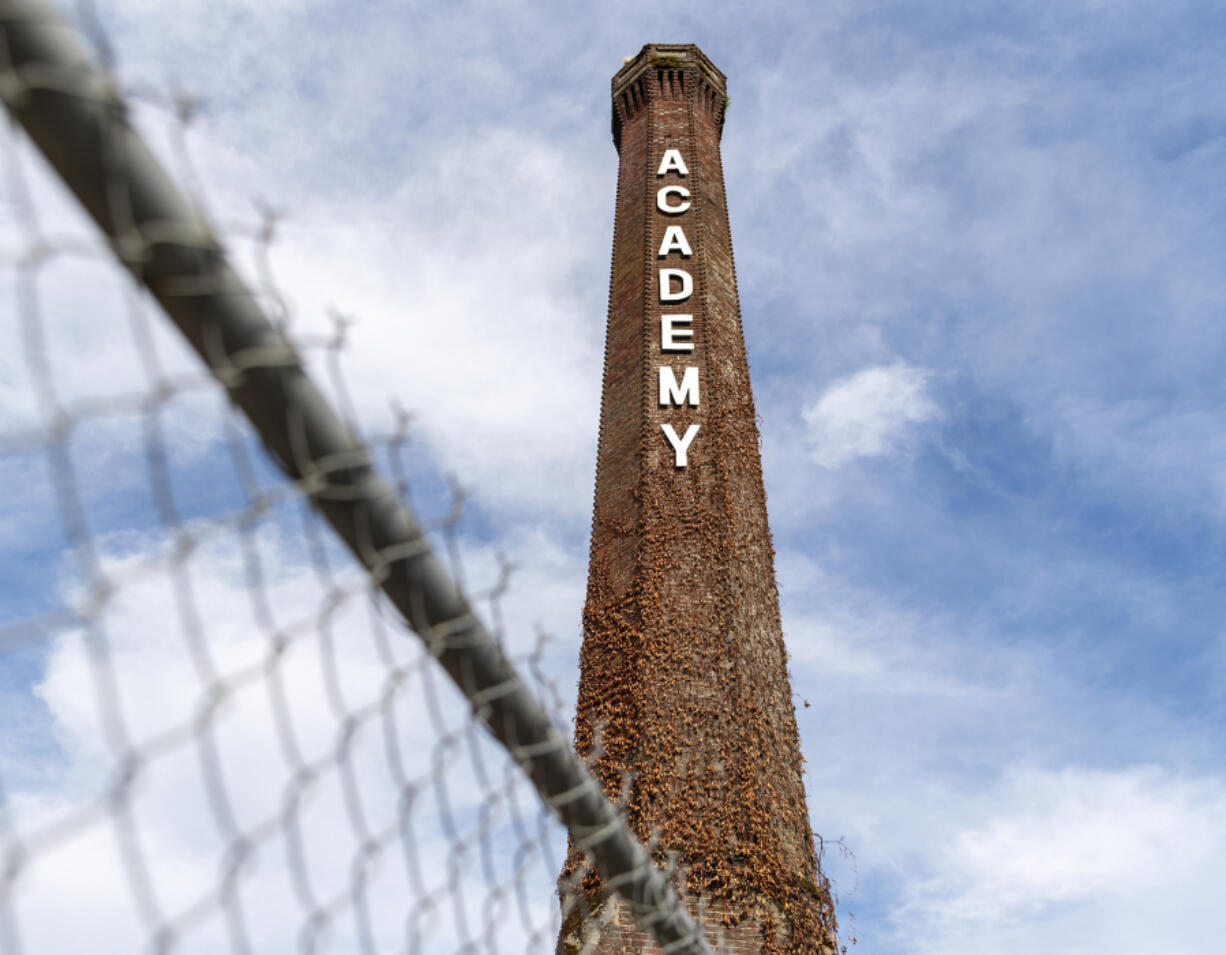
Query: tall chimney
684	690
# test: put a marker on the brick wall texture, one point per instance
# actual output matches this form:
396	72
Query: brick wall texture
683	692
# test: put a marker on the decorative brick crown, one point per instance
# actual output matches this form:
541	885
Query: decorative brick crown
674	63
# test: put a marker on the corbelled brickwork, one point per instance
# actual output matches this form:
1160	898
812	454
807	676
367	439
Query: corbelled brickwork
683	669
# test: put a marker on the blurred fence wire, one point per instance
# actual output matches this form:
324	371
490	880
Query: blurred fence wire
218	736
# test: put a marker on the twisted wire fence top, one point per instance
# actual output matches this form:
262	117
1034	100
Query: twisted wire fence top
189	644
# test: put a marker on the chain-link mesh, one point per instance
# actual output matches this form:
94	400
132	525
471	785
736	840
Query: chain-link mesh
218	735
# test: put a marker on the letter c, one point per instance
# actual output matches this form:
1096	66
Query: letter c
662	200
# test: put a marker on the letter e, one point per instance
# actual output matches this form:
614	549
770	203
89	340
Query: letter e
676	333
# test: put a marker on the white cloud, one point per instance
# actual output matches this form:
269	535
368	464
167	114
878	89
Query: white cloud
873	413
1074	860
922	730
493	340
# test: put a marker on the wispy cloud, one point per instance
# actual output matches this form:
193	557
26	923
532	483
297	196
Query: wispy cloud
1059	858
874	413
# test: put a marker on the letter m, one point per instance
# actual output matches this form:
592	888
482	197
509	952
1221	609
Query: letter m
673	394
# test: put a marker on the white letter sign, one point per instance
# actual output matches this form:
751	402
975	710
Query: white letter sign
662	200
673	394
676	333
666	285
672	162
674	241
680	445
676	285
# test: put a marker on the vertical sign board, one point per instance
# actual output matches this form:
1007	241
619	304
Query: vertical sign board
676	285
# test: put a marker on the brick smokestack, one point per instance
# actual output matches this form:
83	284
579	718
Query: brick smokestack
683	670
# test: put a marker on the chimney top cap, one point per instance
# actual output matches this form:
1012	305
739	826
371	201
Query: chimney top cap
668	56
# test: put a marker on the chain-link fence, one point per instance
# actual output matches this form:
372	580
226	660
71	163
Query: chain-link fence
219	734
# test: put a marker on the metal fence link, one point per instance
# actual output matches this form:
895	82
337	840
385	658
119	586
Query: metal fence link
164	628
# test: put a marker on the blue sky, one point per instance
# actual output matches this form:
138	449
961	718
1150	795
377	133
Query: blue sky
979	254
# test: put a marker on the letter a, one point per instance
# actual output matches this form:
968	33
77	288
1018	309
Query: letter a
674	241
680	445
672	162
